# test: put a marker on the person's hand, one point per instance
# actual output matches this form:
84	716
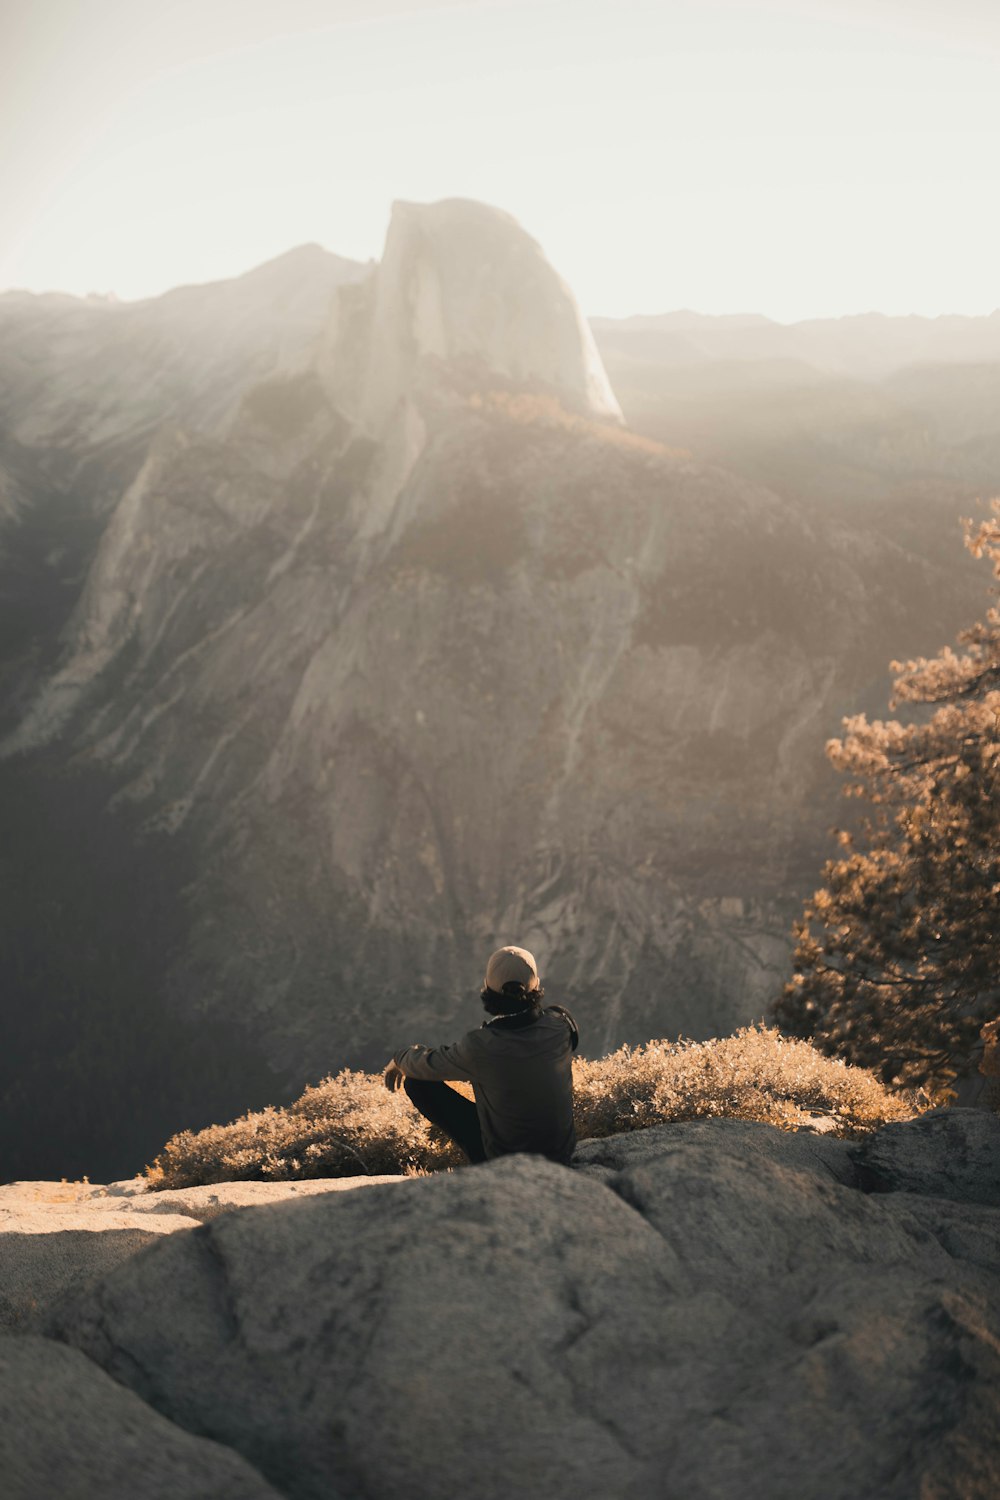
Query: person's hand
393	1078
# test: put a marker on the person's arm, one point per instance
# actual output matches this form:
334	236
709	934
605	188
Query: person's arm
436	1064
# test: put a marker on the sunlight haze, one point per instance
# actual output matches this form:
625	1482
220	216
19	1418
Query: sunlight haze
795	159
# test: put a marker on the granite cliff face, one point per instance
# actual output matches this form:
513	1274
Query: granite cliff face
85	386
460	285
414	649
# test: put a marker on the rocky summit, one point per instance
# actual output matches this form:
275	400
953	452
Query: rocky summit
715	1309
351	635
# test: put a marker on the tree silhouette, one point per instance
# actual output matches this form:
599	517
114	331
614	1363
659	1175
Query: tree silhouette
897	958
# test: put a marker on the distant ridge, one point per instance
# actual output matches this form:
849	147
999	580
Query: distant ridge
310	259
867	346
685	317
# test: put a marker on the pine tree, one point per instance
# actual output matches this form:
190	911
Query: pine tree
897	958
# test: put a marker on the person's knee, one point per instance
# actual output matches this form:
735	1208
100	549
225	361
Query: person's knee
423	1090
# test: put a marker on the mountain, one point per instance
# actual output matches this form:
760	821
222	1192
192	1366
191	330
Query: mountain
80	376
868	346
397	649
461	286
86	383
830	417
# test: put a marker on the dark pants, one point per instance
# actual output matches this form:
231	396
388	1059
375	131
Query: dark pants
450	1112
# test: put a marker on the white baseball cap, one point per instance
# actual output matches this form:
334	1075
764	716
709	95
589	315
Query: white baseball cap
511	965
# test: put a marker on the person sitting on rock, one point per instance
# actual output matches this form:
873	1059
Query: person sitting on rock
520	1065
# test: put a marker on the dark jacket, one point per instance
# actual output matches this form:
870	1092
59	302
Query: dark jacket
522	1077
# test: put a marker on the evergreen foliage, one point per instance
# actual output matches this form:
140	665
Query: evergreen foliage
897	962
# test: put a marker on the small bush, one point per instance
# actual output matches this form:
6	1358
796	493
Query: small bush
345	1126
350	1124
757	1074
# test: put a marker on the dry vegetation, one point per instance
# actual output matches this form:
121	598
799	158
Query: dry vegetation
755	1075
350	1124
542	409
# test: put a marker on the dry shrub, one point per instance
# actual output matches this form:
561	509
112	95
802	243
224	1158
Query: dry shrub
755	1075
346	1126
350	1124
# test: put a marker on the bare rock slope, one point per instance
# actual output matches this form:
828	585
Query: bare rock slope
714	1310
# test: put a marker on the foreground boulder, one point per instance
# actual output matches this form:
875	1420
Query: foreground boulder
948	1153
67	1432
57	1237
708	1310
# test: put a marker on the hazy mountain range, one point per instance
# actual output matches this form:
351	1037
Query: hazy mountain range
357	619
868	346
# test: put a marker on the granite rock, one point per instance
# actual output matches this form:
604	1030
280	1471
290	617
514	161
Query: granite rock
946	1153
722	1316
68	1432
56	1237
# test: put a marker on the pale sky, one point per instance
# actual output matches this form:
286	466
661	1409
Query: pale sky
796	158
